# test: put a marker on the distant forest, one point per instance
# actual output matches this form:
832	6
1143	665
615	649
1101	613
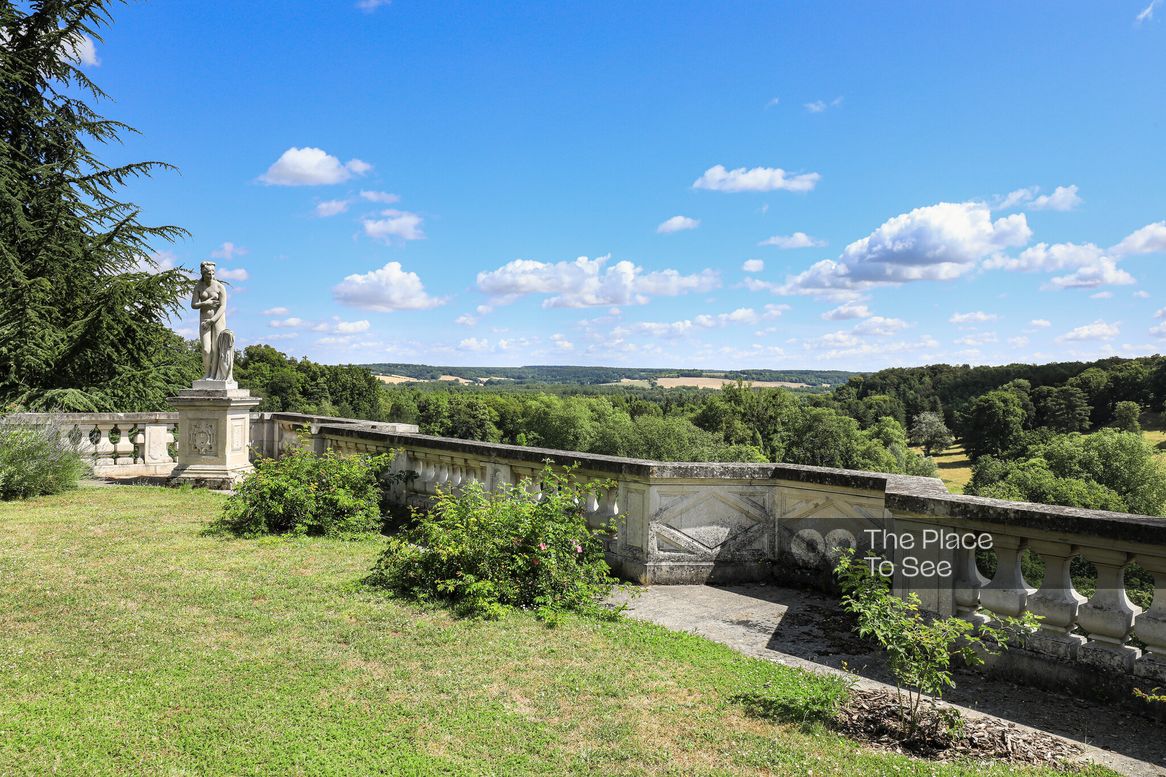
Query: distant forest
590	376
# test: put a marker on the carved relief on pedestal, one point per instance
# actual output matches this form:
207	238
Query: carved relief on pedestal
237	435
202	437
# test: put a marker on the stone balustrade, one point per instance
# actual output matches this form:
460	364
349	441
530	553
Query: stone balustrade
116	445
707	522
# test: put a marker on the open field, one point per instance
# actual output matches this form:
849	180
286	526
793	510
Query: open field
955	469
133	643
705	383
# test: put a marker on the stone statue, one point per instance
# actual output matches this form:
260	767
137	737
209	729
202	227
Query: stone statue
218	343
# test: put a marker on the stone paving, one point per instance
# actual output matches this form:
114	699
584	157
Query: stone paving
808	630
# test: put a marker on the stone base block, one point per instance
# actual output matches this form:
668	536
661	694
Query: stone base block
1151	667
214	435
1058	645
1114	658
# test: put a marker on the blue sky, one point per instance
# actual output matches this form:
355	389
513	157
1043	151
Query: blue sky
717	185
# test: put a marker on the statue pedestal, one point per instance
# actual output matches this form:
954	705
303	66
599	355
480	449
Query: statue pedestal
214	434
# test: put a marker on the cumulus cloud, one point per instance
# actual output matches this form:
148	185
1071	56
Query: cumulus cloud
796	240
879	326
677	224
331	208
228	251
277	311
1103	272
352	327
980	338
1098	330
474	344
1040	323
385	290
383	197
757	179
1147	240
396	224
235	274
753	265
846	311
586	282
310	166
774	311
938	242
465	319
287	323
1102	295
1062	198
703	321
975	317
561	343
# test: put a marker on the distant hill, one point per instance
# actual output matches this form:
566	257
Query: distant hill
593	376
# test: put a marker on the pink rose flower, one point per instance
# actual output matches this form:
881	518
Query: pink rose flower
542	546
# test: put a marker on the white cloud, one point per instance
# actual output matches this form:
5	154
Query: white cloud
287	323
585	282
1040	323
310	166
820	106
975	317
83	51
1047	258
562	343
368	6
1098	330
1147	240
774	311
384	197
703	321
938	242
753	265
236	274
277	311
331	208
228	251
352	327
474	344
1062	198
1158	330
846	311
385	290
1147	13
1018	342
1142	294
980	338
1102	295
880	326
465	319
757	179
677	224
796	240
1104	272
396	224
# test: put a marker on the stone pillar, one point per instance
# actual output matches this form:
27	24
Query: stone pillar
214	428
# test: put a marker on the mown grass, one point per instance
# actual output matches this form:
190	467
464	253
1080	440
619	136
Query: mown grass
955	468
132	642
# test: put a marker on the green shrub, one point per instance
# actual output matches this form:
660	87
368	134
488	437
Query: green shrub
36	460
303	493
483	552
919	648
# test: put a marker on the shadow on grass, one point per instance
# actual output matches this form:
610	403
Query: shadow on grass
808	701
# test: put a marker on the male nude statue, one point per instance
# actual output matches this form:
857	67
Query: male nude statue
210	300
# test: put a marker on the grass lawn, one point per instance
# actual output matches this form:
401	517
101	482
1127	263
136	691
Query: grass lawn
131	643
955	469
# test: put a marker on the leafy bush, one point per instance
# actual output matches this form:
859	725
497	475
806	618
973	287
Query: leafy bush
36	460
919	648
303	493
483	552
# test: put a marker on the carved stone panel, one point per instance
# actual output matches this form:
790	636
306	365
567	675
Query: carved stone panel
813	525
203	437
709	523
238	435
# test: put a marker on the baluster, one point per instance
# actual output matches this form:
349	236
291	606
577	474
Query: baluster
1150	626
1108	616
123	449
591	500
86	445
104	451
139	445
456	476
967	584
1007	593
441	479
1055	602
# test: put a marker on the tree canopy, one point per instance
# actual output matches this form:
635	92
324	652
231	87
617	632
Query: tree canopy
83	306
